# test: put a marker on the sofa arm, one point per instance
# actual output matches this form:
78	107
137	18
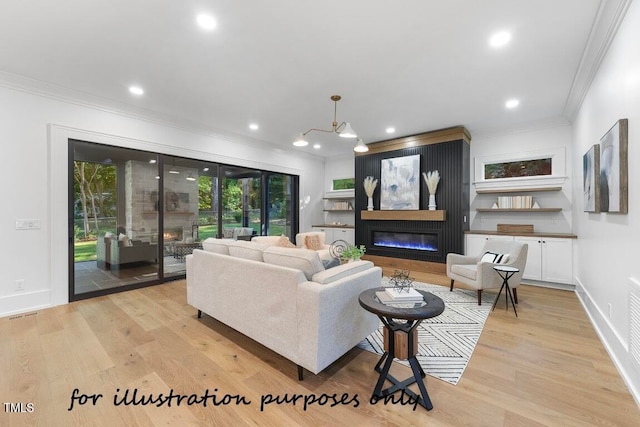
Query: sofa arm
330	319
461	259
341	271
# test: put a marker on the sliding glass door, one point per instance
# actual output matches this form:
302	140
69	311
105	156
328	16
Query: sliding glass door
134	216
114	226
190	209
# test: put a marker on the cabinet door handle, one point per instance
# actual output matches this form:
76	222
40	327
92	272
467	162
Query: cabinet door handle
544	241
539	241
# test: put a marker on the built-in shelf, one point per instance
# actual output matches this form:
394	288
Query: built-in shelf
404	215
519	210
337	210
518	190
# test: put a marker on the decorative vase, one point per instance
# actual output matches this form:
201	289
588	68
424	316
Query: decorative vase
432	202
370	204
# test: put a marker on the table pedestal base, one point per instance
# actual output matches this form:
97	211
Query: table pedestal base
384	364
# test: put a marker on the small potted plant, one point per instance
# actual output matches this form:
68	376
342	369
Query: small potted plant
353	253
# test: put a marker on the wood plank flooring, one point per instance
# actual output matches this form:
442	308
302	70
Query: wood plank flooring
544	368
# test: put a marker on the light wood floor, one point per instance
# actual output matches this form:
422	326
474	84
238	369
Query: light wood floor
546	367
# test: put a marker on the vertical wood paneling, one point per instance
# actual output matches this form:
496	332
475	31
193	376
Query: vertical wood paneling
451	159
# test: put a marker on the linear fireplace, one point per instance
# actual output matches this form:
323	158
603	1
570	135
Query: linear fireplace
409	240
419	241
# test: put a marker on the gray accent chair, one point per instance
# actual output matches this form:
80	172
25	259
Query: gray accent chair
481	275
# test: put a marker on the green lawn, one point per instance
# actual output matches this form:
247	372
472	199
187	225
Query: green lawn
86	250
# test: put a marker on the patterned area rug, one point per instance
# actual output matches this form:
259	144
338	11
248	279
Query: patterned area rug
446	342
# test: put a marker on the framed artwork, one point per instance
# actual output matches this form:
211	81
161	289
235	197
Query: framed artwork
534	169
591	179
614	169
400	183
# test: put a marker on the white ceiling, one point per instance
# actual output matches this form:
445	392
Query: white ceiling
416	65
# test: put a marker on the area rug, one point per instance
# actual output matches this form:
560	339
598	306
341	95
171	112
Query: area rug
445	342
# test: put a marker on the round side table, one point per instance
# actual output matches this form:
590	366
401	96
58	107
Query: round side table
505	272
399	334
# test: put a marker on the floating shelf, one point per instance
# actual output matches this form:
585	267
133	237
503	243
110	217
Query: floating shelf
519	210
518	190
404	215
337	210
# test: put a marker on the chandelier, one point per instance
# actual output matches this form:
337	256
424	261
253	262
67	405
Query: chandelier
343	129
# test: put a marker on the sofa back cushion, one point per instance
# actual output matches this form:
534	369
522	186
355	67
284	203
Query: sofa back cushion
219	246
247	250
304	260
266	240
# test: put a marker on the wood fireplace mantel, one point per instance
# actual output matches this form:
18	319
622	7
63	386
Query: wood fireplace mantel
421	215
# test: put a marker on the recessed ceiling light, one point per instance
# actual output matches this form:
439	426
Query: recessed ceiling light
512	103
136	90
500	39
317	146
206	21
391	130
205	169
254	126
152	161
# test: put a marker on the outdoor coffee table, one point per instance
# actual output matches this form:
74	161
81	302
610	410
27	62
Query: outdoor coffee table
402	341
181	250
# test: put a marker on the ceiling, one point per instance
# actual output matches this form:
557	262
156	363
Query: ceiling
415	65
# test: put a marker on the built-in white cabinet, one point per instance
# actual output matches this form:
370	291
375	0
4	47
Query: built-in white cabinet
475	242
337	233
549	259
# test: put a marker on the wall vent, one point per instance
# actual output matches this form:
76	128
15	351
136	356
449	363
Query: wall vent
634	322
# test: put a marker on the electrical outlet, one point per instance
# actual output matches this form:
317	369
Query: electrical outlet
19	284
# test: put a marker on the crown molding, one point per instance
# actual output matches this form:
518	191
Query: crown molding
110	106
608	19
533	126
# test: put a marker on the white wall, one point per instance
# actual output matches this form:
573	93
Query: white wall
337	168
553	134
33	132
607	245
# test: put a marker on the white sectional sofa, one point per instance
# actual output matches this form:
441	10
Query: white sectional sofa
283	298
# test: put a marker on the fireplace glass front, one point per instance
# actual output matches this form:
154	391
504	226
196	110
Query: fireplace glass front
403	240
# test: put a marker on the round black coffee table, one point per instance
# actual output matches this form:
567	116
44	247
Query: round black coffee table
412	314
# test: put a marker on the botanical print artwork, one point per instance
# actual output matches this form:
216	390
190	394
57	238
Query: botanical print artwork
400	183
590	174
519	168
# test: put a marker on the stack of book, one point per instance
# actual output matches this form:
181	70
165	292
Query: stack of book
515	202
395	295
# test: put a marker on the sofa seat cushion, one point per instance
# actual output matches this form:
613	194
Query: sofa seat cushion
304	260
465	270
341	271
247	250
219	246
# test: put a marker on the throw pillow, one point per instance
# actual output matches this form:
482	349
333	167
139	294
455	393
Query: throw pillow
495	258
313	242
284	242
329	263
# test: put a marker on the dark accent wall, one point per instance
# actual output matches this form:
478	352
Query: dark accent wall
451	159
